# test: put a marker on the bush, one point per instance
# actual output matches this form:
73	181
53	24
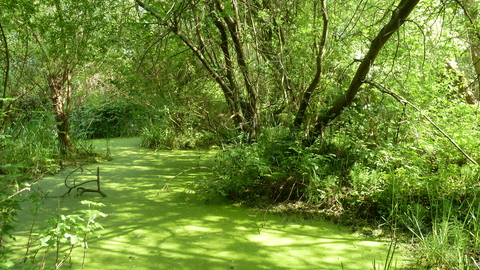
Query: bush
23	159
275	169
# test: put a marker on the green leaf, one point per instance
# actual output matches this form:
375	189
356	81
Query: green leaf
46	241
74	239
6	265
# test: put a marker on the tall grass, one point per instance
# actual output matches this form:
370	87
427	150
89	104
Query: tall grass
452	240
388	262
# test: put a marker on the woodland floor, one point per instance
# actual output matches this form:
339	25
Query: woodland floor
176	229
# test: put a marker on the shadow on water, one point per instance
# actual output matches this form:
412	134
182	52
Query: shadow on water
174	229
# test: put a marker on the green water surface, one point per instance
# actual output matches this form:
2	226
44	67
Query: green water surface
176	229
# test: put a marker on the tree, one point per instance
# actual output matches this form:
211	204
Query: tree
6	75
472	15
6	69
307	95
399	16
66	33
14	52
213	32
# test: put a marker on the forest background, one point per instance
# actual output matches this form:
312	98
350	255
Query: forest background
353	110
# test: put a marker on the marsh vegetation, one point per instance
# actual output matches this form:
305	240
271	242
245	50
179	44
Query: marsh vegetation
363	113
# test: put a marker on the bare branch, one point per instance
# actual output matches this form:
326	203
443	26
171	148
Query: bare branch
15	194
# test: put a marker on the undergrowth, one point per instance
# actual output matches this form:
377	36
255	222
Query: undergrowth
28	151
410	182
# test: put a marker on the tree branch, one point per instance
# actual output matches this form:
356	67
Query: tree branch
15	194
300	117
399	16
404	101
7	67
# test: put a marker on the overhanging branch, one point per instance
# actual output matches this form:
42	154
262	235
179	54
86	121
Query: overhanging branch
404	101
399	16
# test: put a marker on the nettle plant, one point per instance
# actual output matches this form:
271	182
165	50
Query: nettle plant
62	236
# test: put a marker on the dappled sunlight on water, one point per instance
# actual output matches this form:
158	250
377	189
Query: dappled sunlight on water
148	227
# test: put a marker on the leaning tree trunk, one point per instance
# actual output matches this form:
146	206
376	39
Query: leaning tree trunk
60	94
399	16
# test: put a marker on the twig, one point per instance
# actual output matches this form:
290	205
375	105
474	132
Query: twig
404	101
29	242
15	194
187	170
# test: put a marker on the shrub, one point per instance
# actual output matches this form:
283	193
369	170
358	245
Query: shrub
274	169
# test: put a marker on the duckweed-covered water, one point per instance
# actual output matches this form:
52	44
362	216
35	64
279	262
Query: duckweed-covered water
176	229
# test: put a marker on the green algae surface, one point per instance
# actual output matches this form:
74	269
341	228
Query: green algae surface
154	226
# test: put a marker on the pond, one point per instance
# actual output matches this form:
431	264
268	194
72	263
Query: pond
150	226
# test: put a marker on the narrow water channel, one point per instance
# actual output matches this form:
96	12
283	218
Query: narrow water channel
148	227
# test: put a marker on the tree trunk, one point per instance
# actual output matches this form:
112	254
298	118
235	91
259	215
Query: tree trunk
399	16
4	110
244	108
474	38
460	83
251	108
60	94
300	117
6	69
472	14
475	58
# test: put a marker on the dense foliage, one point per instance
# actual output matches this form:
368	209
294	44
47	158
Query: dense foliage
108	117
359	110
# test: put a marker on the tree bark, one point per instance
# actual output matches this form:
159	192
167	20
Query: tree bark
60	94
399	16
460	82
